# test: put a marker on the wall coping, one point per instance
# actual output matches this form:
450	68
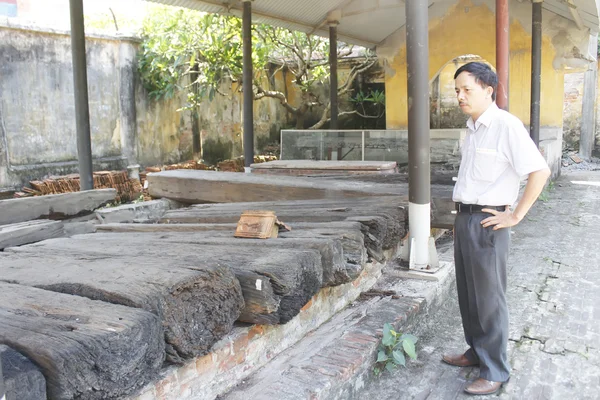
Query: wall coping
30	26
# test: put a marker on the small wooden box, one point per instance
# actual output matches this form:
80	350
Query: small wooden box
257	224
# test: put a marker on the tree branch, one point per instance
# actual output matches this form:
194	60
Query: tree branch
261	94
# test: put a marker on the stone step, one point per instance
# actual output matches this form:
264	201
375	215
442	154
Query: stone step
337	359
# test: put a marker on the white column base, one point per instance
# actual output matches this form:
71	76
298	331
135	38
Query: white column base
419	248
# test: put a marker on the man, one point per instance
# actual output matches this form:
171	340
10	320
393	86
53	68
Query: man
496	154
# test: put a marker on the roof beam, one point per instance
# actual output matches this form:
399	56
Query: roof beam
575	14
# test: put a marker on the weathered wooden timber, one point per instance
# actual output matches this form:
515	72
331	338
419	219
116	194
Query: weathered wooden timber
348	233
276	283
22	378
54	206
197	303
306	167
85	349
29	232
213	187
191	186
383	220
333	261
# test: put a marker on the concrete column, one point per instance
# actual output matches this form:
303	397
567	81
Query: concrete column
127	105
502	52
588	120
417	59
82	110
536	70
247	86
333	75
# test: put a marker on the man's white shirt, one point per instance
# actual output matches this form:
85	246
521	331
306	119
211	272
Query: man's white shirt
496	154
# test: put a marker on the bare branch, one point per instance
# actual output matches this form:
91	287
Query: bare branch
357	69
261	93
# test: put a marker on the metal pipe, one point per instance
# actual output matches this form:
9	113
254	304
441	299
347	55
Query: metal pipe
247	86
417	58
536	71
333	75
502	52
82	109
363	146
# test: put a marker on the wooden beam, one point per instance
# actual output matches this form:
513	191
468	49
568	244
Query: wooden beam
86	349
575	14
29	232
180	292
54	206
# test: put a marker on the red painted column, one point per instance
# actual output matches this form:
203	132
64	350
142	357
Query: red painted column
502	52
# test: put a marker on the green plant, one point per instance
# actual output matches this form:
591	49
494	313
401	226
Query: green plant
371	105
391	352
200	55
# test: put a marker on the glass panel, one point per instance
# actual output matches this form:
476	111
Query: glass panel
379	145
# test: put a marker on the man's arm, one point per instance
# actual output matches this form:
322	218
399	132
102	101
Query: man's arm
508	218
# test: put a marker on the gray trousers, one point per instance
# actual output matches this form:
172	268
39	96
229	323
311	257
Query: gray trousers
480	256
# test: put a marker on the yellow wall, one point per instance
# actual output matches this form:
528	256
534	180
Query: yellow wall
470	29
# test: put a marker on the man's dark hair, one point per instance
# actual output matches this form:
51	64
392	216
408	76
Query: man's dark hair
483	75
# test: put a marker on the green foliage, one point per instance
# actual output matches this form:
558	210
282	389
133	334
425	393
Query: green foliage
202	54
393	348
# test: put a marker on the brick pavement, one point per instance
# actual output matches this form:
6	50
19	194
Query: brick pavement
554	301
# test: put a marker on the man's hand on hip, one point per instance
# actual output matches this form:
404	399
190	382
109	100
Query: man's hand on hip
500	219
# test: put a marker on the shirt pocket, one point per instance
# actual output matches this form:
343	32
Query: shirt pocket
485	165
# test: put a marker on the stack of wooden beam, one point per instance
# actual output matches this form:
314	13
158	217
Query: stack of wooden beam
127	189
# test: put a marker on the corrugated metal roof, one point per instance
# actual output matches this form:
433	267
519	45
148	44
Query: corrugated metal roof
363	22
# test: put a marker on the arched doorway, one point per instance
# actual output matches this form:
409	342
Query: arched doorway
444	111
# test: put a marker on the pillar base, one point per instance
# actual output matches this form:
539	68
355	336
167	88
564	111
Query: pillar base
407	253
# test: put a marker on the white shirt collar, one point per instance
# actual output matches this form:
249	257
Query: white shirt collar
485	118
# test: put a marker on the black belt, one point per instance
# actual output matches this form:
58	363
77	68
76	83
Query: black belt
474	208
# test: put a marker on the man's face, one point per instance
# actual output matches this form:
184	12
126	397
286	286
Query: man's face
473	99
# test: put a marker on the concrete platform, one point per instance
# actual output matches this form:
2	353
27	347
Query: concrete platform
309	167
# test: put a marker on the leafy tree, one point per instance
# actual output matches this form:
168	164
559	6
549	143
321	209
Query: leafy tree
202	54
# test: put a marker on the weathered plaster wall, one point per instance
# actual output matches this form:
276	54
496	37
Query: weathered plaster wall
573	100
479	39
37	113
